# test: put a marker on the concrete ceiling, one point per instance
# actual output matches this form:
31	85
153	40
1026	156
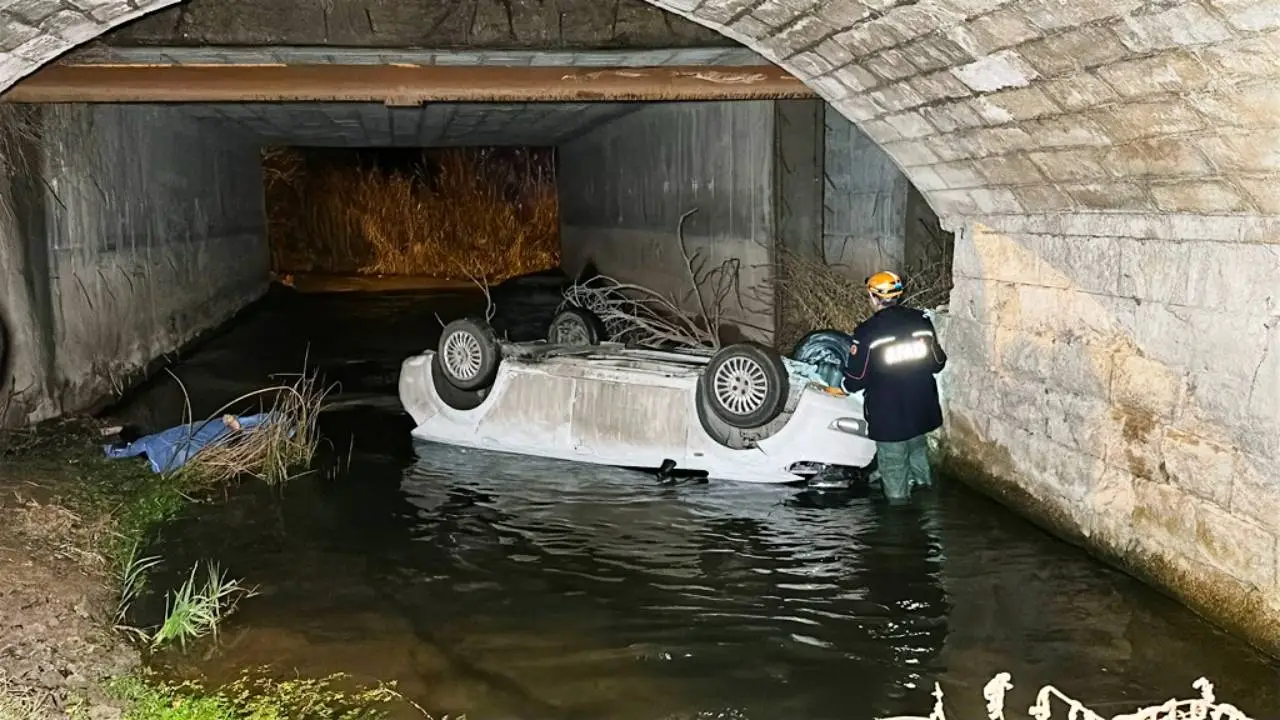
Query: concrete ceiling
437	124
396	56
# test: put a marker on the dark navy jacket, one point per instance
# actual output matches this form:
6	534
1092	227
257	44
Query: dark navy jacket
894	356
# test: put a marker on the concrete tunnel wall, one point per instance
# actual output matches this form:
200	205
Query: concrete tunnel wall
137	228
1111	169
625	184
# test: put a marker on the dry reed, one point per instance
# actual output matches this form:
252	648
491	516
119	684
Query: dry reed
819	296
459	213
272	451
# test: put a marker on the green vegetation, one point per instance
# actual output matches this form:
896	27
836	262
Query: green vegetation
254	696
102	513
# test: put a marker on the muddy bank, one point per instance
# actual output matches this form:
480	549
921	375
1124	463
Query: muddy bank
58	596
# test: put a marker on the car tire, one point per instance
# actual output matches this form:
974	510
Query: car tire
745	385
576	326
455	397
469	354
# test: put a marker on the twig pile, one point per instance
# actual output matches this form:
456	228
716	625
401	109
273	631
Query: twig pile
637	314
818	296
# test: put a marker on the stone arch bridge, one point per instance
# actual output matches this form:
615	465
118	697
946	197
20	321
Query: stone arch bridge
1110	168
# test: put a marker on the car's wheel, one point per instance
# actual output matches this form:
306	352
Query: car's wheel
576	326
454	397
745	384
469	354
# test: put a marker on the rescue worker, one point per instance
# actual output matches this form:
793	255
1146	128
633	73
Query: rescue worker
894	357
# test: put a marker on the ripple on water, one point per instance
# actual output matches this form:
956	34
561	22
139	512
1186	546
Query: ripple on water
519	587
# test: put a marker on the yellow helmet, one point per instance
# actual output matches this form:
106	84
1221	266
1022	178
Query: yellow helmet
885	285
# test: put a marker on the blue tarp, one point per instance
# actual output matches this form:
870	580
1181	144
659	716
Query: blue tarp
826	350
171	449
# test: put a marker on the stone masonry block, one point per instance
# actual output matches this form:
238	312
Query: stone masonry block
13	34
830	87
869	37
42	47
809	31
1251	106
1079	92
1074	165
1156	157
1154	271
1080	264
936	52
1264	192
911	154
1255	494
857	108
1148	119
1076	421
1010	170
1249	15
890	65
835	53
897	97
997	141
1005	27
1043	198
1063	365
105	10
777	13
1067	131
1176	71
970	8
808	65
721	12
1051	15
33	12
752	27
1073	50
1180	26
996	72
1199	196
951	147
995	201
1166	515
910	125
961	174
1200	466
913	20
1237	277
952	117
1109	196
882	132
1250	58
1021	104
1245	550
938	86
844	13
857	78
1147	385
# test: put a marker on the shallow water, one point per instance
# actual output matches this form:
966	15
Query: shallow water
508	587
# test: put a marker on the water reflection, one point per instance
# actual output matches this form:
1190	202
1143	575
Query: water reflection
512	587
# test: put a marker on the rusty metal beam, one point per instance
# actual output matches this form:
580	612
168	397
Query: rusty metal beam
398	84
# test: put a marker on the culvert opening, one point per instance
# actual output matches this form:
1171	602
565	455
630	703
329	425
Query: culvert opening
462	213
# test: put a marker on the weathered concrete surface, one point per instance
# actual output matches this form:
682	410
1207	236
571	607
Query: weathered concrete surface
139	229
624	186
1142	129
864	227
432	23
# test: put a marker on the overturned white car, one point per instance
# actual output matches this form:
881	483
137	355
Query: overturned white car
740	413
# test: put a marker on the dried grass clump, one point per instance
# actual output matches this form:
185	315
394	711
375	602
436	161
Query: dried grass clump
272	451
459	213
819	296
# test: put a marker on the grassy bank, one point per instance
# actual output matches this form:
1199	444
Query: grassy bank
457	213
75	528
